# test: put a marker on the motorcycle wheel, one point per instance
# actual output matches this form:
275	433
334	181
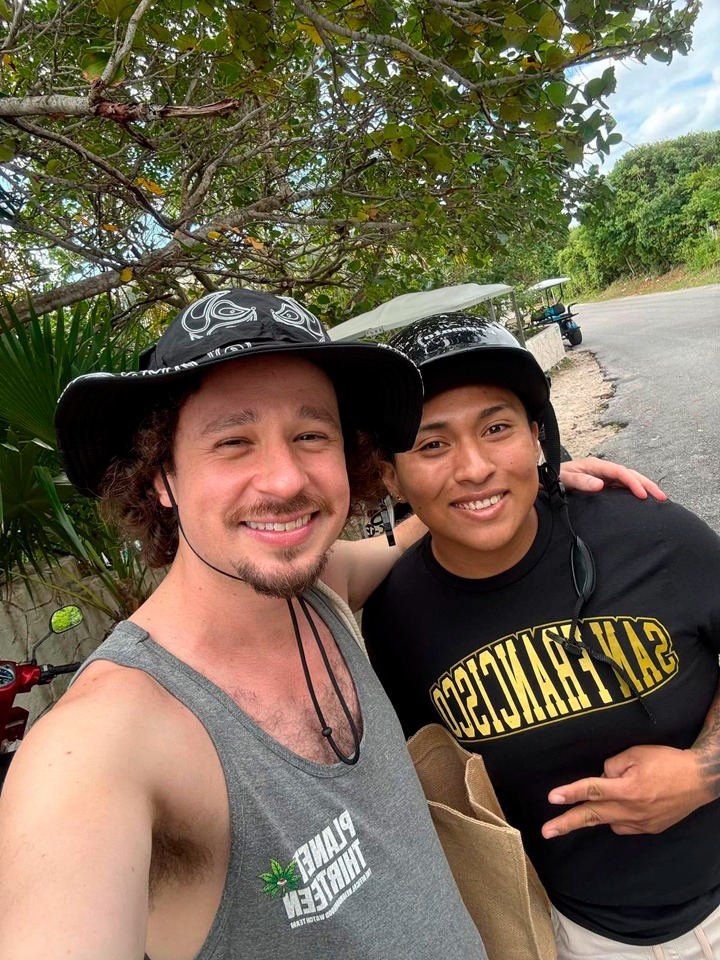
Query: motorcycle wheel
574	337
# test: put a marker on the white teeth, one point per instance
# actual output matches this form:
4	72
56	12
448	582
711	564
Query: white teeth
292	525
480	504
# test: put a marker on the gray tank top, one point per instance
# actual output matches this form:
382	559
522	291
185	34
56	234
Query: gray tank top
326	861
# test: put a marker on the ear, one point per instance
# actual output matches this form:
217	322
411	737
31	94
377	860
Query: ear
390	479
161	490
535	431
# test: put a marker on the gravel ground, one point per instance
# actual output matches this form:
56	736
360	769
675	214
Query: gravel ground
580	395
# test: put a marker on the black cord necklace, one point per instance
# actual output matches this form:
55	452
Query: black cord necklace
324	728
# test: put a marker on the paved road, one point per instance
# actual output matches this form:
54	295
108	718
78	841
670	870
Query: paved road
663	351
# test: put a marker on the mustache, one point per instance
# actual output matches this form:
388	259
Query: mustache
267	509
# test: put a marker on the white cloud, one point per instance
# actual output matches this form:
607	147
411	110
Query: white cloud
656	101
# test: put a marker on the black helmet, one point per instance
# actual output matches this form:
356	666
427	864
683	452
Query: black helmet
454	349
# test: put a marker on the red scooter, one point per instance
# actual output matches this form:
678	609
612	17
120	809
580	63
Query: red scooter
18	678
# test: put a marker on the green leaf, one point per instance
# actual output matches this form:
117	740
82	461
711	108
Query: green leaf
594	88
609	79
556	92
115	9
93	63
159	32
7	150
439	158
573	151
662	55
186	42
579	9
351	95
545	119
549	26
510	110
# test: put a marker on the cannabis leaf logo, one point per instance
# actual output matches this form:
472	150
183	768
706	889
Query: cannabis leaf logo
279	880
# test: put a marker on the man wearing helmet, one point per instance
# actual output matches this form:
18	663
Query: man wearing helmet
589	692
226	777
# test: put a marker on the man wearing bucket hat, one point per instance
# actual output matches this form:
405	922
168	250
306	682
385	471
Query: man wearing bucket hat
226	777
590	689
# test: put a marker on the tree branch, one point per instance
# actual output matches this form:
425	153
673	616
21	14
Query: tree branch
59	105
118	56
14	26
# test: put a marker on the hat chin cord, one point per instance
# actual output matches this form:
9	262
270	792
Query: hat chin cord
325	729
582	566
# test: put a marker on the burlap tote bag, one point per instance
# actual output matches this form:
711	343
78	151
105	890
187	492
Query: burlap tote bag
497	882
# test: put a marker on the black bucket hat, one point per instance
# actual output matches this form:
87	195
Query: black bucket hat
456	349
98	413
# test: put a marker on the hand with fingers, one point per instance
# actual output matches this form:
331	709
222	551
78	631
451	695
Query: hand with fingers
644	789
590	474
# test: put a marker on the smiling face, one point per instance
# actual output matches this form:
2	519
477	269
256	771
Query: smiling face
472	478
259	472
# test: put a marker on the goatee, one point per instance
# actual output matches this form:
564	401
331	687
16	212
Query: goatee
283	585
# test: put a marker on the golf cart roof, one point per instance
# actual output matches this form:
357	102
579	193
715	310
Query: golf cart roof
546	284
416	306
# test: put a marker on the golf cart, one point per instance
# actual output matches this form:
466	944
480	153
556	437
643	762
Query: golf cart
409	307
553	310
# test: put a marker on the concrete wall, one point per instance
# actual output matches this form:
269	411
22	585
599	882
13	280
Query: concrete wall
547	347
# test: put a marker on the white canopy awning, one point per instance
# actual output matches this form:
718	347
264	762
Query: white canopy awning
546	284
416	306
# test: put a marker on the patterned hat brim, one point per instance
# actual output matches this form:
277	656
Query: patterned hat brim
378	389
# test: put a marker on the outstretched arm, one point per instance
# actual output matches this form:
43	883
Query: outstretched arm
75	846
357	567
645	789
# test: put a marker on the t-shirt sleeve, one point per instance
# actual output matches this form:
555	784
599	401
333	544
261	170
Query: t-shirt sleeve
375	629
381	626
695	548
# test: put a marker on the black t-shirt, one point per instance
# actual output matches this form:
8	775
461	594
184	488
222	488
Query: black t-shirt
479	656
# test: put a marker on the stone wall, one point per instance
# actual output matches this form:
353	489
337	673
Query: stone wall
547	347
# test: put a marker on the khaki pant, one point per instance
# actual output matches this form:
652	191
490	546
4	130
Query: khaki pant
577	943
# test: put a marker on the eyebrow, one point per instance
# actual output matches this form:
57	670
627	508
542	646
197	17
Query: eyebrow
431	425
319	414
238	418
241	418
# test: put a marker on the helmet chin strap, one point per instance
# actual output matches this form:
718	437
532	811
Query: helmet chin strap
325	730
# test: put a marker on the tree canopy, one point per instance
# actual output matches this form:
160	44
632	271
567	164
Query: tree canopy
151	149
664	196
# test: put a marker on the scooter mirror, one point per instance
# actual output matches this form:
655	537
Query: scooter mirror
65	619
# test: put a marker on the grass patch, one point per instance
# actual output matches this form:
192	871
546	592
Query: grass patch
678	279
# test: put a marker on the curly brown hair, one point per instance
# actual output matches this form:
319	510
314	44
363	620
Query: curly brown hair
130	502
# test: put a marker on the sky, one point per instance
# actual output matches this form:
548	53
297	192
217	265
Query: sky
658	101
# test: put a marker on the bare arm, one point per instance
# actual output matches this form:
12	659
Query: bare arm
645	789
75	844
357	567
